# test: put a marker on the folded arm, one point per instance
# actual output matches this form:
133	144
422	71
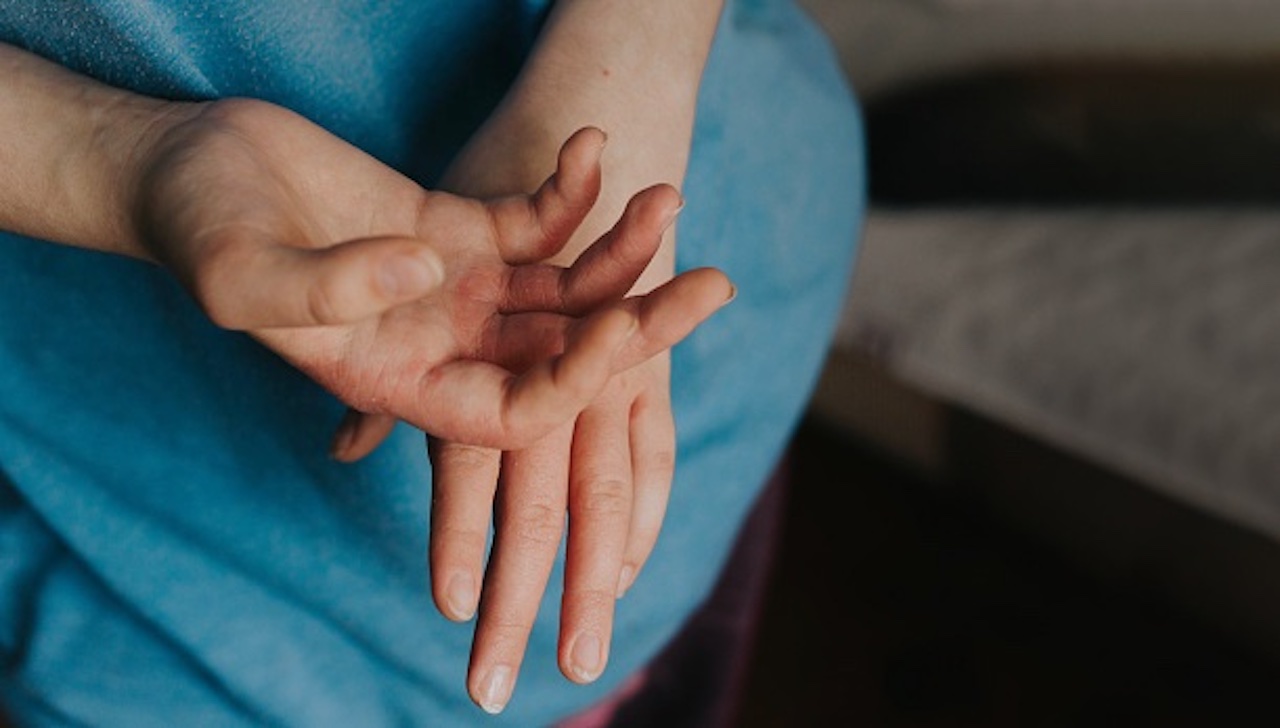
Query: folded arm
396	299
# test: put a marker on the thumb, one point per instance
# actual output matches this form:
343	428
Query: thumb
251	284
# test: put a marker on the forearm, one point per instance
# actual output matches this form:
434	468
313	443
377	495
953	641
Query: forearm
67	148
630	68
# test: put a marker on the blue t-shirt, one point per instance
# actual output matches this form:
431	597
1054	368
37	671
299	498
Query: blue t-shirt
176	548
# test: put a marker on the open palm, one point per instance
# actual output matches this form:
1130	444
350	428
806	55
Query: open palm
423	305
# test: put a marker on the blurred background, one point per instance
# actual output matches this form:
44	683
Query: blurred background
1039	484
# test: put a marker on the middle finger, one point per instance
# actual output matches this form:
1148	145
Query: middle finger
529	521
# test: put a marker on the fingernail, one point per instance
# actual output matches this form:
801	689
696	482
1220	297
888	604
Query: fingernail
495	690
586	657
343	438
733	293
604	138
673	215
461	596
406	275
625	577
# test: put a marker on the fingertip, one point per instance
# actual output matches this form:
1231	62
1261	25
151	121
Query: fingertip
626	577
670	196
657	206
562	202
717	284
592	137
584	147
705	289
460	598
492	691
359	434
675	213
344	437
586	659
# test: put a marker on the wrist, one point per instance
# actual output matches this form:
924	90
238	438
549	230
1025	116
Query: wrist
631	69
70	148
127	131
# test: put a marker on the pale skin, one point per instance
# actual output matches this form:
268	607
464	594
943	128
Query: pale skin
634	69
439	309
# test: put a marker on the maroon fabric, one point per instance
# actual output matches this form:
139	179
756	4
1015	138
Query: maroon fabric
698	679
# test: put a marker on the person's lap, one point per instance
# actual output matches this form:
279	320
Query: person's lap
182	533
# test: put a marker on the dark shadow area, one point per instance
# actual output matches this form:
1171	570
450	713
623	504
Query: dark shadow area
899	602
1086	133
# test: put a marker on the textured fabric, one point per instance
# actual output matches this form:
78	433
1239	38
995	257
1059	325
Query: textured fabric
175	546
1150	350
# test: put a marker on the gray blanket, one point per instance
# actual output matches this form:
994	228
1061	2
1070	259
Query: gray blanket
1148	341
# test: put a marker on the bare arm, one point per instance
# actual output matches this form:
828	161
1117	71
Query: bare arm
92	166
281	229
633	69
66	143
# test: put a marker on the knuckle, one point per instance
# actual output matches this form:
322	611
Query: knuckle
322	304
457	541
507	632
608	498
466	458
539	525
661	463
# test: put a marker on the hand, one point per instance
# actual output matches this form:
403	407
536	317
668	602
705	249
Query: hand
617	461
633	69
422	306
611	471
398	300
